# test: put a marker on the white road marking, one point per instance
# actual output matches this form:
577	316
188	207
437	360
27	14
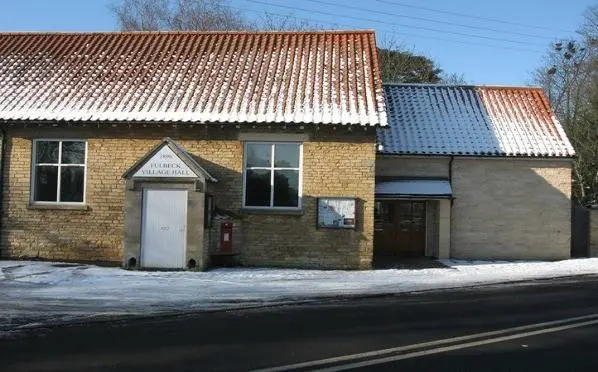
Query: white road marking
378	353
367	363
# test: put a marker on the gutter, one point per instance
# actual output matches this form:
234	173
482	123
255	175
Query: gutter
477	156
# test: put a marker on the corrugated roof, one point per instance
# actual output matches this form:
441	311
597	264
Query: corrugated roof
431	119
229	77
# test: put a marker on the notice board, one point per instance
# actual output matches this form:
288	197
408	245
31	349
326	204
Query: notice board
337	213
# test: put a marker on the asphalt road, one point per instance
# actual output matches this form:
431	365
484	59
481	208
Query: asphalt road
454	325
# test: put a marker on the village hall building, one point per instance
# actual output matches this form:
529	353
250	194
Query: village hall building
185	150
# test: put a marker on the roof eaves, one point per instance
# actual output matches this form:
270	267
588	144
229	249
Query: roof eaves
226	123
472	155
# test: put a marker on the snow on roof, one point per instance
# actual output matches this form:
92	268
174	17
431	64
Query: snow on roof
431	119
328	77
438	188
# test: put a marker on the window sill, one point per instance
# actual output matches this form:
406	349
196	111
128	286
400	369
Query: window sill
74	207
291	212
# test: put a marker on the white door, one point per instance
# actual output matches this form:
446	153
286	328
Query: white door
163	228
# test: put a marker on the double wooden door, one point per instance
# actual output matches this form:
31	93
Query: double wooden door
400	228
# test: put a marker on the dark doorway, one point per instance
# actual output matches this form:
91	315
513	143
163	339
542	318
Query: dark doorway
580	232
400	228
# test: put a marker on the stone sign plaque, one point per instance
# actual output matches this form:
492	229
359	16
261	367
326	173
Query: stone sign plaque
165	163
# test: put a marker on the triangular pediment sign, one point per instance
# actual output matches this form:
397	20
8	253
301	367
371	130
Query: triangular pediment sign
168	160
165	163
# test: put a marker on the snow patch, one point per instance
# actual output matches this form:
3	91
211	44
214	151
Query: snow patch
44	292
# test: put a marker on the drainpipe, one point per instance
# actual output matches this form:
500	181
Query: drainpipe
451	159
2	158
451	169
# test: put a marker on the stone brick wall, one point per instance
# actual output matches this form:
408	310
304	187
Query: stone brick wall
594	232
213	235
335	163
331	167
511	209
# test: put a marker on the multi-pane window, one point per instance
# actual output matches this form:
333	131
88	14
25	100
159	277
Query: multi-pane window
59	171
384	211
272	175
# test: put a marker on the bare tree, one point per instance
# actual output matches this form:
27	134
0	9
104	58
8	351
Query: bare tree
453	78
272	22
141	15
569	75
569	68
181	15
589	30
564	76
191	15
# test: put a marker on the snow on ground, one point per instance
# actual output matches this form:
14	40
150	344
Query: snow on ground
37	293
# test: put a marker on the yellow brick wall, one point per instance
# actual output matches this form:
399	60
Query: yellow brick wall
511	209
331	168
334	164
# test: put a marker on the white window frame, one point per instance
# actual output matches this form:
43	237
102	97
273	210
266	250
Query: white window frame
59	165
272	168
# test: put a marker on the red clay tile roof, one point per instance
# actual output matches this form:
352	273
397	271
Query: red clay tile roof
329	77
434	119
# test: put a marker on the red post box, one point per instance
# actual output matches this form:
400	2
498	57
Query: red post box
226	237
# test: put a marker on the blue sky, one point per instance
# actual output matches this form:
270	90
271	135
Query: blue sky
505	55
